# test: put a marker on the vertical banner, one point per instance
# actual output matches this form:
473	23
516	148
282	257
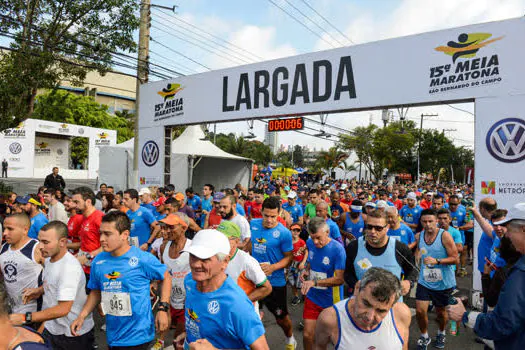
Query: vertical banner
499	155
17	148
151	157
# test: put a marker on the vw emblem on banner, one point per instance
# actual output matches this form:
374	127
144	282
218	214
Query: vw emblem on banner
506	140
15	148
150	153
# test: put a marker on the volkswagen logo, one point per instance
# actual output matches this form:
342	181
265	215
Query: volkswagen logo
506	140
15	148
213	307
150	153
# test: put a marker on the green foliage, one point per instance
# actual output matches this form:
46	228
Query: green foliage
329	160
298	156
284	160
256	150
57	41
5	189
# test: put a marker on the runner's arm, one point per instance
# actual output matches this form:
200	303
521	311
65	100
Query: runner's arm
484	224
403	317
207	220
334	281
261	291
165	287
93	300
406	260
452	251
260	343
62	309
155	229
284	262
326	329
350	275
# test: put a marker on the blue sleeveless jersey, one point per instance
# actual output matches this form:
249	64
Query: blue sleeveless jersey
435	277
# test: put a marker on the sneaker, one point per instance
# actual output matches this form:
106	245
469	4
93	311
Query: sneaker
296	301
103	327
292	346
301	325
159	344
422	343
439	341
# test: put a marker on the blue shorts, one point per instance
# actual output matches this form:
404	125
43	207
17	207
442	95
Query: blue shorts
438	297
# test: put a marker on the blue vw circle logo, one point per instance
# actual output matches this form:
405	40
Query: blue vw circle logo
15	148
150	153
506	140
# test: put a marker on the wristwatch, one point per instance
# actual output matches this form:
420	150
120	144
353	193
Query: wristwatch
29	317
438	262
163	306
89	256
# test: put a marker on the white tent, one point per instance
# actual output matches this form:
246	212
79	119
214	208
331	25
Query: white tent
194	162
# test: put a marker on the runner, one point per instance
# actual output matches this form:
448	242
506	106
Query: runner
458	214
295	210
228	211
73	225
144	227
56	208
314	198
21	263
120	279
300	254
353	223
272	247
218	312
256	207
30	206
213	219
322	210
372	319
207	202
444	221
437	254
64	293
399	230
146	201
324	287
411	212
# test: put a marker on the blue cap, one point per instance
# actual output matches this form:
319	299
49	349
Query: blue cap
218	196
270	189
22	200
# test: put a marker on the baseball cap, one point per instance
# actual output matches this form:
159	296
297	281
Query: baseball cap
144	190
208	243
292	195
22	200
381	204
159	201
370	204
411	195
270	189
218	196
517	212
295	226
179	196
287	188
173	219
229	229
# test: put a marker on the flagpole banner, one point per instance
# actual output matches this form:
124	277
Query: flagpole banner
151	157
499	155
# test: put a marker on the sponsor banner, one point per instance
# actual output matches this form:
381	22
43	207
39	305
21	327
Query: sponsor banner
454	64
151	157
51	151
499	154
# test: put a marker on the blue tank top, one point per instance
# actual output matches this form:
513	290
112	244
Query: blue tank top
355	229
435	277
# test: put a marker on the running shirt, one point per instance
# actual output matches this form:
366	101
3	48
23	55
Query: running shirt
269	246
30	345
495	257
484	246
141	221
207	204
225	317
240	209
124	282
256	210
310	210
356	229
299	248
244	226
435	277
178	269
73	228
403	234
364	260
37	222
458	220
411	215
384	336
150	207
323	264
90	235
214	219
21	271
456	236
335	233
296	211
195	202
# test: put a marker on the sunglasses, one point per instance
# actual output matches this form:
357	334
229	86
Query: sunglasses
375	227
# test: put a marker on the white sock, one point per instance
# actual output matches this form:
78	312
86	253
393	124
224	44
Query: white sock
290	340
424	335
442	332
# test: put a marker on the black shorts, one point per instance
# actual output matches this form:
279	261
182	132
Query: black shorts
61	342
276	302
438	297
469	239
144	346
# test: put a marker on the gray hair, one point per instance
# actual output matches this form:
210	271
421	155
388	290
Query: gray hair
516	223
391	210
317	223
384	284
221	256
322	205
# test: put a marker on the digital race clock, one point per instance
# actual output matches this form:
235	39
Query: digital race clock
286	124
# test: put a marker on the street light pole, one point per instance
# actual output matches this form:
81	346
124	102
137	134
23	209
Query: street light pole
419	142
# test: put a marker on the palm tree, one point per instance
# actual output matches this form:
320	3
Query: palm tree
347	168
331	159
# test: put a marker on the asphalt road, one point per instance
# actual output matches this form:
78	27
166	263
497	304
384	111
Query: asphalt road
276	338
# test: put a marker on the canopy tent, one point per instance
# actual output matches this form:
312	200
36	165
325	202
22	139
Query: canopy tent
283	172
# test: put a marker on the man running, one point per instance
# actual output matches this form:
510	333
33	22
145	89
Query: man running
324	287
352	222
207	202
444	221
30	206
399	230
228	211
295	210
372	319
272	247
322	212
310	209
144	227
73	225
437	253
120	279
411	212
56	208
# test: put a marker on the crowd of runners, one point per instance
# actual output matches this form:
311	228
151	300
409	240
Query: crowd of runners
202	266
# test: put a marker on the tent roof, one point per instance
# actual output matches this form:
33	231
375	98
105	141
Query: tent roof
190	143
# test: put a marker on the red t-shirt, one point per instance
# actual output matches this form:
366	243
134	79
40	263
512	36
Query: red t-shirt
256	211
73	227
298	250
90	234
214	219
398	204
425	204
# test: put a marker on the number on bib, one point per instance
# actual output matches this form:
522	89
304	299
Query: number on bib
432	275
116	304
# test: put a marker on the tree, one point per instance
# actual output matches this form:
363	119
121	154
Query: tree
237	145
329	160
347	168
436	152
56	41
298	156
284	159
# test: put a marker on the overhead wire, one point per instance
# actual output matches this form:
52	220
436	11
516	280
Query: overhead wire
170	61
460	109
327	21
179	53
304	133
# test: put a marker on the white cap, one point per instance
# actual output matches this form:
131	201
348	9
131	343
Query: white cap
381	204
144	190
429	193
411	195
292	195
208	243
344	186
370	204
517	212
460	196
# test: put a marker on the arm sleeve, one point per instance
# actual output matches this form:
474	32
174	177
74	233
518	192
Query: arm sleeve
509	315
148	217
245	230
350	275
94	282
406	260
340	261
254	272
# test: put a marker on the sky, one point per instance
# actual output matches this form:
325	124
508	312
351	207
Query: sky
260	31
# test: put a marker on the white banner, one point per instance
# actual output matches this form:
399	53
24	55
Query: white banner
51	151
500	155
151	157
17	148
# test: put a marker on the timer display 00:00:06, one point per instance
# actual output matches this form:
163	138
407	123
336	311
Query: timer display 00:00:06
286	124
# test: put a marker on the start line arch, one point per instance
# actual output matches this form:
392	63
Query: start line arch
482	63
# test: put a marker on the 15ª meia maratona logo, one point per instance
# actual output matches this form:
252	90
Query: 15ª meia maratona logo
468	69
171	106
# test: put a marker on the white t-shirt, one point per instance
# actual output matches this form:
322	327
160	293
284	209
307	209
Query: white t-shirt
57	212
64	280
244	225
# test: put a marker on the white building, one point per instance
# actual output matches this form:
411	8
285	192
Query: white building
271	139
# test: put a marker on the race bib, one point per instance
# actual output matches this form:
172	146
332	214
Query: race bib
432	275
116	304
134	241
178	293
314	275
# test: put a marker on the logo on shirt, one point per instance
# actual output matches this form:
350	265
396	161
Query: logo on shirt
423	251
193	316
276	234
213	307
326	260
10	272
261	240
365	264
112	276
133	261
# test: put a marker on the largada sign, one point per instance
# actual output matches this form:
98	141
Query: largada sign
483	63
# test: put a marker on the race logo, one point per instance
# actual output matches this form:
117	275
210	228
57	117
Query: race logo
150	153
42	149
133	261
326	261
15	148
506	140
63	128
364	264
193	316
214	307
10	272
112	276
467	69
170	106
261	240
276	234
102	139
488	187
15	133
